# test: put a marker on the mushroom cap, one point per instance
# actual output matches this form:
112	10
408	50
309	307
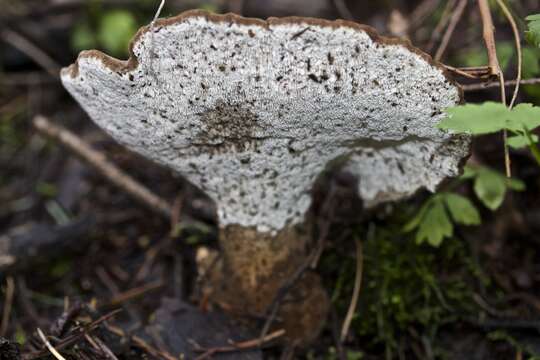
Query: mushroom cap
252	111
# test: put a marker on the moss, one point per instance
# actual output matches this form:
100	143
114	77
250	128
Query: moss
406	289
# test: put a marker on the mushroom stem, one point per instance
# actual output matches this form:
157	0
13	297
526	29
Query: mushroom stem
257	265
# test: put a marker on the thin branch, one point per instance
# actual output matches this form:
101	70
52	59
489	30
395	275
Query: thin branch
469	73
73	338
495	68
422	11
454	20
491	85
139	342
134	293
51	349
517	39
356	291
239	346
445	17
32	51
157	14
30	78
489	37
116	176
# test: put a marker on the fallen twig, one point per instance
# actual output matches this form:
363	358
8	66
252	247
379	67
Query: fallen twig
470	73
51	348
139	342
32	51
454	20
491	85
356	291
112	173
21	248
134	293
239	346
72	338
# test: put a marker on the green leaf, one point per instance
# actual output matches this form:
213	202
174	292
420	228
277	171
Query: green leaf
520	141
515	184
535	151
115	31
435	225
462	209
533	34
524	116
468	173
476	119
490	187
531	62
417	219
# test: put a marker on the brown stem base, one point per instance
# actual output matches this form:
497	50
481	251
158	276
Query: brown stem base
254	268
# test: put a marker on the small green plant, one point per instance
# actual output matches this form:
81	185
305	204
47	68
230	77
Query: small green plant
111	31
491	117
533	33
490	186
433	222
402	287
436	218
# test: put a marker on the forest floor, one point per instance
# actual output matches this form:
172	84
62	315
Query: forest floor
103	275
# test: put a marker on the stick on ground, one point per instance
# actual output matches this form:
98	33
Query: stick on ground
51	349
112	173
32	51
356	292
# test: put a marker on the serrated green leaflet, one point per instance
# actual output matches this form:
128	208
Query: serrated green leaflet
491	117
417	219
533	34
490	187
435	225
520	141
524	116
477	119
462	209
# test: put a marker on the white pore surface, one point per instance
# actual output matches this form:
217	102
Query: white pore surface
252	115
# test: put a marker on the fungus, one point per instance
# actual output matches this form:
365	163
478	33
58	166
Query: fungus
252	112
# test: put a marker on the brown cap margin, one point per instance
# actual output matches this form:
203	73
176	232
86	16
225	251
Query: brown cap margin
123	66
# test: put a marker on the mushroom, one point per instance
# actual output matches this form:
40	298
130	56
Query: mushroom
252	111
